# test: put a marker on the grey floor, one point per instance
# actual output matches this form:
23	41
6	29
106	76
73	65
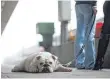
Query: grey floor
6	73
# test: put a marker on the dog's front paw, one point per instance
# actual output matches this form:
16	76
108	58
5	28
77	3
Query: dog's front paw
64	69
33	69
67	70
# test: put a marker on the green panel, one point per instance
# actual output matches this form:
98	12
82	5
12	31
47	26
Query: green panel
45	28
47	39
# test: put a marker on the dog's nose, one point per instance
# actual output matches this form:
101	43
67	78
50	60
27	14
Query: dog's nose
45	70
45	65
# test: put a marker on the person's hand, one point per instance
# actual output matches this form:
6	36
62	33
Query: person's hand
95	9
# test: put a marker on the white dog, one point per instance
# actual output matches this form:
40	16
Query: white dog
41	62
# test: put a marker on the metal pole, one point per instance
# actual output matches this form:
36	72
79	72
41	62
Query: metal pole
64	32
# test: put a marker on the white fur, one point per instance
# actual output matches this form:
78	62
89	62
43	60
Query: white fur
32	63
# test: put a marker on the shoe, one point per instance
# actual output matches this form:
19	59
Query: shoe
98	64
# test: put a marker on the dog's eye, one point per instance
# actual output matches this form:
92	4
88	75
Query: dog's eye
50	62
41	63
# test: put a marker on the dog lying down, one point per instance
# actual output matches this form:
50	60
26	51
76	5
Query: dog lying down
41	62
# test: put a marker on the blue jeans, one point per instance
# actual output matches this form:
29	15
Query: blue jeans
85	35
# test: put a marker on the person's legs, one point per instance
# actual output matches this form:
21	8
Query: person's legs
79	57
102	47
89	18
104	38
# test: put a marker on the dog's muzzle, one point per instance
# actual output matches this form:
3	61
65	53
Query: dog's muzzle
46	68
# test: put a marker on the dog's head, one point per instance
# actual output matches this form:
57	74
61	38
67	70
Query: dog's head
46	62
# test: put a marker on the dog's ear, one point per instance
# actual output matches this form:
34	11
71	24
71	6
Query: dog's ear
54	57
38	57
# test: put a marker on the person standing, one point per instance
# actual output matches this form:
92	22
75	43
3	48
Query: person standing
85	15
104	38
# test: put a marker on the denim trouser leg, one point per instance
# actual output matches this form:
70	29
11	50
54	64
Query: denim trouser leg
79	39
90	52
86	58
